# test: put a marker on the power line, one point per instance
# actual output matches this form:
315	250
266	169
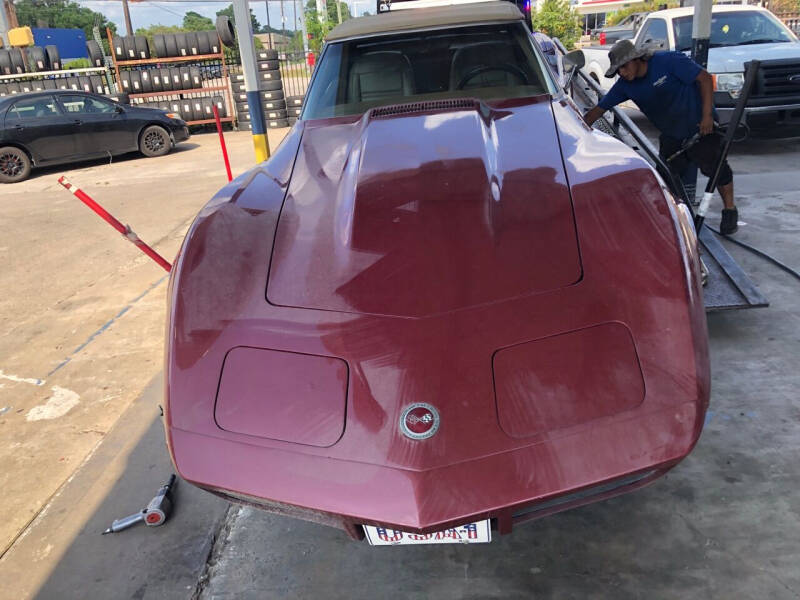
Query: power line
169	10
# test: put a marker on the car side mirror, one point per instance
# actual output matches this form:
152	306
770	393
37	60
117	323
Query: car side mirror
654	44
572	62
119	109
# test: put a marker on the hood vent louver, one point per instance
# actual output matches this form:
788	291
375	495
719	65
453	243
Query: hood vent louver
415	107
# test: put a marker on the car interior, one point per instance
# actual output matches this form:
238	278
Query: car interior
487	62
33	108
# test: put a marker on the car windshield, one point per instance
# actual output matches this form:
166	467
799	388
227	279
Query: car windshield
734	28
486	62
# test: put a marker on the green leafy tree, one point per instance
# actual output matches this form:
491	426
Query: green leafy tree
318	28
332	14
780	7
149	32
154	29
618	15
61	14
557	19
228	12
78	63
193	21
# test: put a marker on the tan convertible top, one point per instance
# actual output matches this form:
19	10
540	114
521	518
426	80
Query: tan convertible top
422	18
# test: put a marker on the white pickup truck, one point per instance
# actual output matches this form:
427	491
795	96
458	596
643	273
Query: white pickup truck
738	34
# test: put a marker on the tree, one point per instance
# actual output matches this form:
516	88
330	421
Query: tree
149	32
333	15
193	21
60	14
228	12
557	19
783	6
617	16
317	29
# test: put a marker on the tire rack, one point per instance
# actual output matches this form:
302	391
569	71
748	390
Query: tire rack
225	88
55	75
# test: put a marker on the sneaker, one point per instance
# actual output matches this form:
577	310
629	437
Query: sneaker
730	221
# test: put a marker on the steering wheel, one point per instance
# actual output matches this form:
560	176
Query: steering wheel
512	69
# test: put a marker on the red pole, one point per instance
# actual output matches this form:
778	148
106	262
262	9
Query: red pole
222	143
125	230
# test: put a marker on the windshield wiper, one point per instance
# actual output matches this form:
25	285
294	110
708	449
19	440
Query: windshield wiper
764	41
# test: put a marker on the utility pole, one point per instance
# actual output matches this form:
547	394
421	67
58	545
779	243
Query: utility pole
283	22
247	52
3	24
269	27
126	11
701	32
11	14
303	27
339	11
294	24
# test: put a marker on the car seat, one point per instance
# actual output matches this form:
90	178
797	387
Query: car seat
43	109
379	75
484	54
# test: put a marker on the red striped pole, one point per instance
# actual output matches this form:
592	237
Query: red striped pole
125	230
222	143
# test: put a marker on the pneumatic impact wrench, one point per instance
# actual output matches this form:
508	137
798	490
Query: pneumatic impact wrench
156	512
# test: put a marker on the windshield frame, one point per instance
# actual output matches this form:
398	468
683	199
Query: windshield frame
682	20
551	86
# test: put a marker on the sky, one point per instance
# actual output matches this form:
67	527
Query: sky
146	13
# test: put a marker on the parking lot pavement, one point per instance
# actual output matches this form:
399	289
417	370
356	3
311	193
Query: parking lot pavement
82	313
723	524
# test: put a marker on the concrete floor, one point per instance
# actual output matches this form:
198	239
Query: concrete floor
724	524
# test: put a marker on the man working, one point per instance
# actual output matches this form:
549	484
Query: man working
676	95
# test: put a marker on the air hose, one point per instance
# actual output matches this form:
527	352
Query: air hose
749	79
758	252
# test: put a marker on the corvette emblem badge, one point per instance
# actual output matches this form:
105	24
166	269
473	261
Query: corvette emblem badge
419	421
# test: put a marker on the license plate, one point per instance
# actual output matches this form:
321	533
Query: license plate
472	533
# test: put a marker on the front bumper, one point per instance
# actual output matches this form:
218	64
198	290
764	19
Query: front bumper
772	120
605	459
180	133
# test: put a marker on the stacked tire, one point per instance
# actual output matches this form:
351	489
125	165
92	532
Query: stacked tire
82	83
190	43
95	53
294	105
191	109
270	88
130	47
160	79
16	61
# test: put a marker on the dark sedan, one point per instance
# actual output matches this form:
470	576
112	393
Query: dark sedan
59	126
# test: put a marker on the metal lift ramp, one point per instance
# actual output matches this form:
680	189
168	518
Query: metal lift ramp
728	286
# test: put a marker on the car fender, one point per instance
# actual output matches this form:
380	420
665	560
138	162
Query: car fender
35	161
156	123
199	301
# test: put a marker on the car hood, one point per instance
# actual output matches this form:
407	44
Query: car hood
414	211
732	59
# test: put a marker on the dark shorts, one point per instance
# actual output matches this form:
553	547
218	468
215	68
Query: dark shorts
704	154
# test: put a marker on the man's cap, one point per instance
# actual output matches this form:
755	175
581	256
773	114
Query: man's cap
621	52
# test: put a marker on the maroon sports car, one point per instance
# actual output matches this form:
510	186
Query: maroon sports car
443	304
